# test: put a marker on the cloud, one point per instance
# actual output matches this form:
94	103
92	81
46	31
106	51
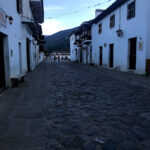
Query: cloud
53	7
51	26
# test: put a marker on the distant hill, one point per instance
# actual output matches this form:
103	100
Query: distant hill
59	41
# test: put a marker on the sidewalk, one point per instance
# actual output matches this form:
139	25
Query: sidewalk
22	115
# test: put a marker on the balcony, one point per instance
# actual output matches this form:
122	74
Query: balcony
37	10
77	39
41	41
35	28
78	42
86	37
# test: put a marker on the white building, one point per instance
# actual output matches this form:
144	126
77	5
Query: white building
73	48
20	36
121	38
80	44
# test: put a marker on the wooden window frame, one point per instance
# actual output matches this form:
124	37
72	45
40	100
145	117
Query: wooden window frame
100	28
131	10
112	21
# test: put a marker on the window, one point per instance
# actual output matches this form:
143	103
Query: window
19	6
112	21
100	28
131	10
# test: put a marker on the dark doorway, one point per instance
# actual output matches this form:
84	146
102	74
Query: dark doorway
2	64
132	53
76	54
80	55
101	56
28	54
87	56
111	56
90	54
20	57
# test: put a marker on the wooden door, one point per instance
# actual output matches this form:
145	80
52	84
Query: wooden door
90	54
101	56
20	57
132	53
111	56
28	54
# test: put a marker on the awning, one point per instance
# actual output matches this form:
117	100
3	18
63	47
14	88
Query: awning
37	10
35	28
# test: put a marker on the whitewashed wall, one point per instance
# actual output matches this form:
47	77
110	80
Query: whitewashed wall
135	27
14	33
41	57
73	48
89	53
17	33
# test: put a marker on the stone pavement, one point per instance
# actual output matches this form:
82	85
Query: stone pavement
67	106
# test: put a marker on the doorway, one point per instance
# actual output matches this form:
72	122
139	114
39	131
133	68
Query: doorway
28	54
132	53
20	58
76	54
101	56
111	56
80	55
87	55
2	64
90	54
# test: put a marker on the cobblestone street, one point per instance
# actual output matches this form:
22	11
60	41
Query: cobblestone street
68	106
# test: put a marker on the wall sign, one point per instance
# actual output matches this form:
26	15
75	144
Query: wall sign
105	45
2	18
140	45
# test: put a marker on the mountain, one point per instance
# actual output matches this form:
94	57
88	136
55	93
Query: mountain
59	41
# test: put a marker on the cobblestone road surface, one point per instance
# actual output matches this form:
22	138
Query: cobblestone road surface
66	106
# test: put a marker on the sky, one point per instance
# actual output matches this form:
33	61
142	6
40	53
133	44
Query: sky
55	20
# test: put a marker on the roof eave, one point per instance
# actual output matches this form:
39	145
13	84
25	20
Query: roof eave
37	9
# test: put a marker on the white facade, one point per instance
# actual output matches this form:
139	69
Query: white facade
80	44
114	49
41	57
73	48
82	53
137	27
15	40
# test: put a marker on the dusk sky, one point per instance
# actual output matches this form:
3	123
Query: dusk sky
55	8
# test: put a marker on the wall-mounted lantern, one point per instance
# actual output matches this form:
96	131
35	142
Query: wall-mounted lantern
119	32
10	18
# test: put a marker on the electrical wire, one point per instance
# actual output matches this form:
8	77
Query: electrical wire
77	11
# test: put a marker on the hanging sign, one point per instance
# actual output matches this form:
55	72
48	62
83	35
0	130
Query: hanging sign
2	18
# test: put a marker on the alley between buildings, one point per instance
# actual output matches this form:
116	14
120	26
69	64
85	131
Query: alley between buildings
68	106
